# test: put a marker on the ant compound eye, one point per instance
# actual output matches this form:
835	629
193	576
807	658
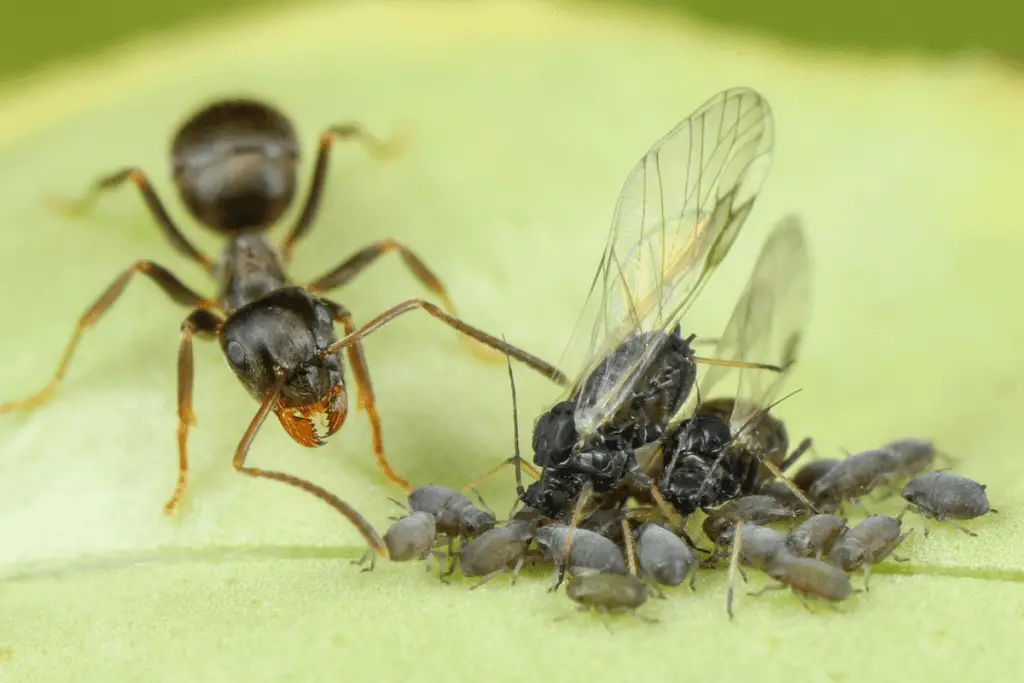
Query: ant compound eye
236	354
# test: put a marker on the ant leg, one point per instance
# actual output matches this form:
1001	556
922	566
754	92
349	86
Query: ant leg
349	131
171	286
354	265
365	529
206	325
365	398
546	369
85	204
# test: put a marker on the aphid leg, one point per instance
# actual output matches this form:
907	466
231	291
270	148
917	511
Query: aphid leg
867	577
671	514
85	204
367	556
734	563
365	396
483	503
789	484
627	539
171	286
514	460
577	513
856	502
349	131
801	448
772	587
955	525
546	369
206	325
737	364
520	561
484	579
365	529
399	503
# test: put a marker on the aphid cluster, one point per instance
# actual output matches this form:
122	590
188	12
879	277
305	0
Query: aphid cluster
637	454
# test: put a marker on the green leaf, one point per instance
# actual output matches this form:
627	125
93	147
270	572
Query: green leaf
523	120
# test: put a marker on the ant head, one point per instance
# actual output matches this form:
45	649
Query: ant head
235	164
289	330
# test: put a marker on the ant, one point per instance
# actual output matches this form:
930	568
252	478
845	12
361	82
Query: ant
235	166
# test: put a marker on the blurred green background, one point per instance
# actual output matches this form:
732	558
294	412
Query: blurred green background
34	35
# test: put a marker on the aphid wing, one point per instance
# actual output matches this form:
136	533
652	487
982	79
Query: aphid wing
676	219
769	321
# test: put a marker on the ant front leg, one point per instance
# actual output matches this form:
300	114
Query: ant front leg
206	325
365	397
546	369
365	529
350	131
171	286
156	208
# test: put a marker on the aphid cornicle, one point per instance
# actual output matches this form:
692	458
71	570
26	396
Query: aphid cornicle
733	446
945	497
235	164
868	543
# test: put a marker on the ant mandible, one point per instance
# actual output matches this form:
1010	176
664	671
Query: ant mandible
235	165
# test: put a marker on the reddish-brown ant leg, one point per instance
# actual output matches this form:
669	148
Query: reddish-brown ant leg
162	277
546	369
365	529
363	258
345	272
156	208
379	148
206	325
365	398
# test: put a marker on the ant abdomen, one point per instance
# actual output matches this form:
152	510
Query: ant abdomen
235	164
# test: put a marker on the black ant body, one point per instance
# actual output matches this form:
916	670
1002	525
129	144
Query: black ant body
235	166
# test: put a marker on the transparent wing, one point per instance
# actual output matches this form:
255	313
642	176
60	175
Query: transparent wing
768	323
676	219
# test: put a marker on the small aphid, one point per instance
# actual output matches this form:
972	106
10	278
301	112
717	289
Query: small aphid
816	535
812	472
749	510
944	496
664	557
588	550
868	543
455	513
809	578
410	538
914	455
758	544
608	593
752	546
854	477
497	550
